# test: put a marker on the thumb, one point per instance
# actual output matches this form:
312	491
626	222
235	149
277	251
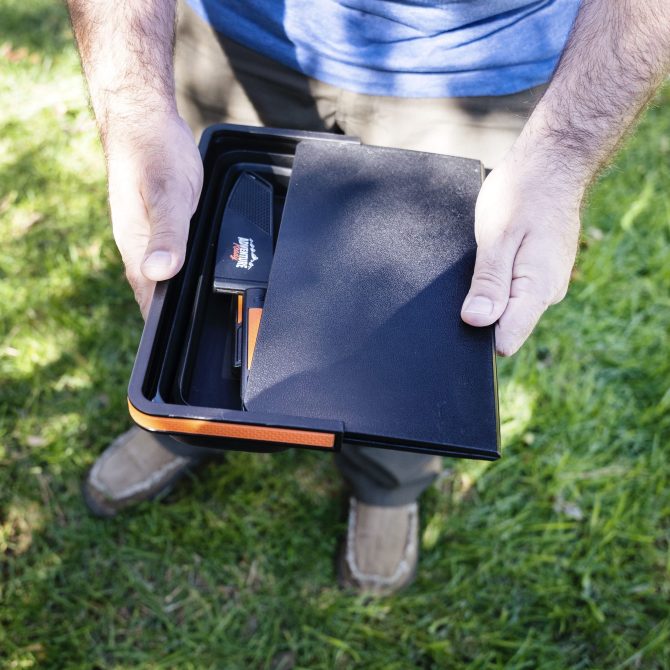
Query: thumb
491	281
169	205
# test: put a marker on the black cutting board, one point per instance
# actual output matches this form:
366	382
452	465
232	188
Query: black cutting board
362	316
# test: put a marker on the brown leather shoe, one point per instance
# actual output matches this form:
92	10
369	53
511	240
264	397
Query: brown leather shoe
380	553
134	468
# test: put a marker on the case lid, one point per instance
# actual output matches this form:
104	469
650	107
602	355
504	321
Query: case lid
362	316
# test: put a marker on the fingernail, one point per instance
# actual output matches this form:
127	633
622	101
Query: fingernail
479	304
158	261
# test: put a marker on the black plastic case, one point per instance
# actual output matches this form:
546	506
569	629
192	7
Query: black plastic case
183	382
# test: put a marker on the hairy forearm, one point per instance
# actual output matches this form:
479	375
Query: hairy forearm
126	51
617	55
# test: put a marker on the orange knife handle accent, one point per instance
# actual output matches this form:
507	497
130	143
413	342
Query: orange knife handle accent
253	324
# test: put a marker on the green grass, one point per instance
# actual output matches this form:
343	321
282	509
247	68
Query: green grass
556	557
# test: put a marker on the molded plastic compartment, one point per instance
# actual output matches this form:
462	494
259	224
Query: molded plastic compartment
205	375
183	380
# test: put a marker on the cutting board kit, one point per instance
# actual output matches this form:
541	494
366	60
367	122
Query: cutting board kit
320	302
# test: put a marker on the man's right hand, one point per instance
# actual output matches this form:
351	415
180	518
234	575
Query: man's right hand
155	177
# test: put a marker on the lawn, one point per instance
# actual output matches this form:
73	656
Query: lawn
557	556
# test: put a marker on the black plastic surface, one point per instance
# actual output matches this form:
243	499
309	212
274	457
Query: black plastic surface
362	315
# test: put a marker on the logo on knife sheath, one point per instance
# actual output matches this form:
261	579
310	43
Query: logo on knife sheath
244	253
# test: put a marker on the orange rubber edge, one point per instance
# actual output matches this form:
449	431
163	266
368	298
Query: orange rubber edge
307	438
239	308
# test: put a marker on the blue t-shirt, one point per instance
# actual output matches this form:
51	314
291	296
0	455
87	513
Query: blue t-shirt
407	48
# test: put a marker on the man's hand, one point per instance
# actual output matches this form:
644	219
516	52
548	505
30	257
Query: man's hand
527	231
527	215
155	178
154	169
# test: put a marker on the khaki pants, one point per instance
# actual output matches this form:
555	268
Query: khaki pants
219	80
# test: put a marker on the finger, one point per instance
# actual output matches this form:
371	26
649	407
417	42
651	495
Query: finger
144	300
523	312
131	233
540	278
169	204
490	288
528	302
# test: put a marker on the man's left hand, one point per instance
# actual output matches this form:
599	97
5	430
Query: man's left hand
527	230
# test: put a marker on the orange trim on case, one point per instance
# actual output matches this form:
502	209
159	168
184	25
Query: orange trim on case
240	311
306	438
254	323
